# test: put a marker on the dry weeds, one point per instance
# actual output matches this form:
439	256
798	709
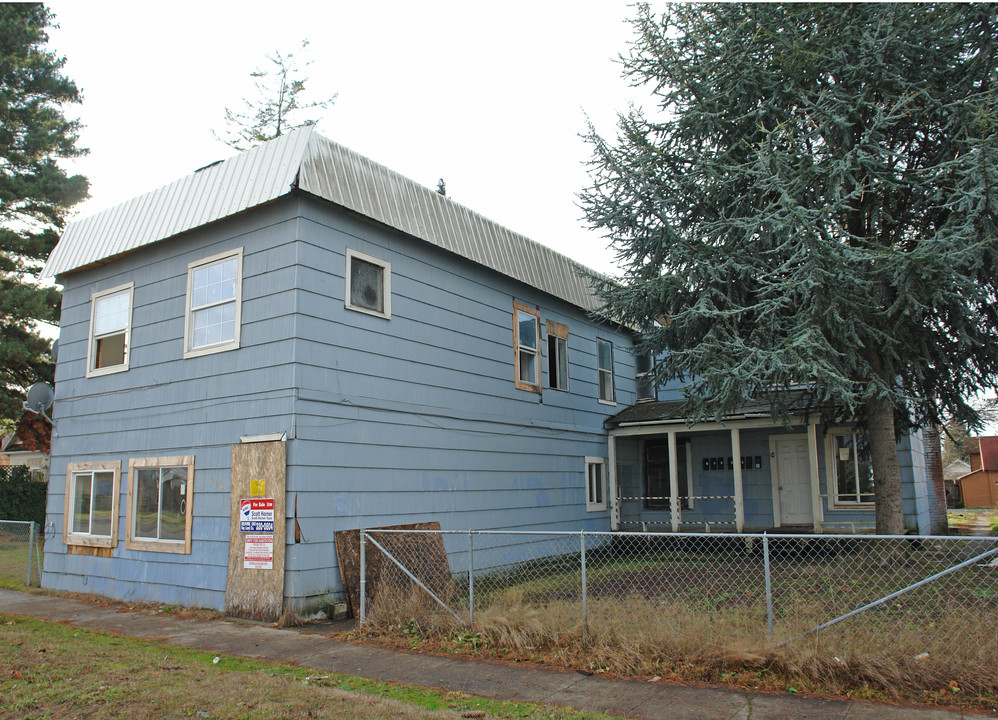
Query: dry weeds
637	636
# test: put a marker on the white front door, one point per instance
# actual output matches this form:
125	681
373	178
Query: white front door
793	481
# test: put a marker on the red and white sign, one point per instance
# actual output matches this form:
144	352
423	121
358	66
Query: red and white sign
256	514
259	552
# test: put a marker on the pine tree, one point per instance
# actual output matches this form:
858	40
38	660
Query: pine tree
35	193
278	105
811	204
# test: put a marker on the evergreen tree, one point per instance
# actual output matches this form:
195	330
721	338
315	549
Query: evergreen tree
35	193
812	205
278	106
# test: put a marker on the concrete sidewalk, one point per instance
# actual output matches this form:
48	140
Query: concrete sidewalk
630	698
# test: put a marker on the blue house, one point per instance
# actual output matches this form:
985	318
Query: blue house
298	340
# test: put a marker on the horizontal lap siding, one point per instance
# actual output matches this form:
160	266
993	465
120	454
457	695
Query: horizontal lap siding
164	405
416	418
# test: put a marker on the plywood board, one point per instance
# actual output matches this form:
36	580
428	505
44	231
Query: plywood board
256	592
422	554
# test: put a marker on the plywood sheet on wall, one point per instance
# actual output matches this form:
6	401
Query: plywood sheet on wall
422	554
256	593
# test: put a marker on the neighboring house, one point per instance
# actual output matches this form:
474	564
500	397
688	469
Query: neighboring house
979	488
951	474
28	446
301	325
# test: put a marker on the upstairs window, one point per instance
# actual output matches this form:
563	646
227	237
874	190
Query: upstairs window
526	341
214	298
604	360
110	330
852	466
645	376
368	284
557	355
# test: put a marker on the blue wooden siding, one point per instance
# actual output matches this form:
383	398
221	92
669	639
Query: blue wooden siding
389	421
417	418
164	405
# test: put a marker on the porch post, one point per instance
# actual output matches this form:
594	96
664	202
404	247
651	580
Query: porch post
736	463
812	460
673	482
612	477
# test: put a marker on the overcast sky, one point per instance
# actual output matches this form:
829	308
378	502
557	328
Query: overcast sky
490	96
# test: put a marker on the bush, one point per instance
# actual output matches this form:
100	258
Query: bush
21	498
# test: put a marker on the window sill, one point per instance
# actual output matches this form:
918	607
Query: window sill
611	403
211	349
177	547
110	370
89	541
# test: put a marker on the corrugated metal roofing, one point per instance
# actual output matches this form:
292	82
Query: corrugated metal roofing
330	171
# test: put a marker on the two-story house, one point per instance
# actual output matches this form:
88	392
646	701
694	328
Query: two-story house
298	340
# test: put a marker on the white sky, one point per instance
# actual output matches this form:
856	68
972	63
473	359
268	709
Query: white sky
491	96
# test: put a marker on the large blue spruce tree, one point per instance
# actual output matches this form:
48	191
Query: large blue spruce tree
810	207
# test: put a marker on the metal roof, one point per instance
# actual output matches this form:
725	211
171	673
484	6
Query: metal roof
330	171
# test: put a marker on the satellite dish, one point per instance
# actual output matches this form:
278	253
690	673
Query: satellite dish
40	397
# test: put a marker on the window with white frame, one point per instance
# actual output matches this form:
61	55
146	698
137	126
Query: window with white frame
369	284
214	300
852	468
110	330
526	341
595	484
557	354
160	491
90	514
604	359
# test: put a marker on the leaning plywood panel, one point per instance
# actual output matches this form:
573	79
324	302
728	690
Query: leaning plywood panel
255	585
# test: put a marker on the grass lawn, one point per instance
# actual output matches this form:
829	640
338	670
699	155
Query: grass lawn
50	670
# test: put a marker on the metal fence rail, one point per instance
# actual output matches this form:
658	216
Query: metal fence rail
912	597
20	551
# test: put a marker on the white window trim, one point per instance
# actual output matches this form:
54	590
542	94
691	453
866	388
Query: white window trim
831	478
225	345
613	379
68	536
168	546
92	341
519	307
590	505
386	290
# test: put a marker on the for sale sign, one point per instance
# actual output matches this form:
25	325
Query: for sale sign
259	552
256	515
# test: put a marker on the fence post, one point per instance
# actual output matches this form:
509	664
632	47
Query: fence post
471	578
769	586
363	577
31	548
585	615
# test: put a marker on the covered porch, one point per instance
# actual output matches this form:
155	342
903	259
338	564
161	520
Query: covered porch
744	473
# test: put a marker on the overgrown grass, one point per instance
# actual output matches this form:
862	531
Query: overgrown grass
49	670
688	618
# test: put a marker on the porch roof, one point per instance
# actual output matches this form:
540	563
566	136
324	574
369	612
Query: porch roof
669	412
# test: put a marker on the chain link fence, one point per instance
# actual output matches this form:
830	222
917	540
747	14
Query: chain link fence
21	552
913	605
